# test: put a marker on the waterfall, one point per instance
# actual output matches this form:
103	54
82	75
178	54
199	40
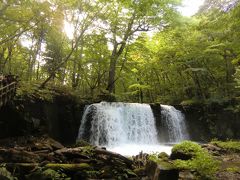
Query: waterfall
128	128
119	123
174	122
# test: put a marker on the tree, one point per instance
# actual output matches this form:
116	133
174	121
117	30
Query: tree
127	18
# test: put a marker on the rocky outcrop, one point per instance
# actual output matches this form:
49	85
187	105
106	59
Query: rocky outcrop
44	158
60	118
208	121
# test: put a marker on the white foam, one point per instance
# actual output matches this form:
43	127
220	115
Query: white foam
135	149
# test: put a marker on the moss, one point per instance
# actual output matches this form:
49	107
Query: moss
47	174
5	174
81	143
231	146
188	148
88	150
164	163
163	156
201	162
233	169
69	167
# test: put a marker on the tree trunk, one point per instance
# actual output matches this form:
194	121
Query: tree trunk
112	73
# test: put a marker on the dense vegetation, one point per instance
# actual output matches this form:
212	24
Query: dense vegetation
107	48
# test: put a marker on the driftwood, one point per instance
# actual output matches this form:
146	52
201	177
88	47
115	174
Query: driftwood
115	155
72	153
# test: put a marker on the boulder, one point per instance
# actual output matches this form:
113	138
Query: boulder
161	171
180	155
186	175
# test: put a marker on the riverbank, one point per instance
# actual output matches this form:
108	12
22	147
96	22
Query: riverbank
44	158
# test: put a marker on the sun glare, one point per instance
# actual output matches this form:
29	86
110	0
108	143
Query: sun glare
68	29
190	7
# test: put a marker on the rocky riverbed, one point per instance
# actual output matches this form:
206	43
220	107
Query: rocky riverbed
41	158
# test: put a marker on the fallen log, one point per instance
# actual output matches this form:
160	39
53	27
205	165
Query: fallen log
69	167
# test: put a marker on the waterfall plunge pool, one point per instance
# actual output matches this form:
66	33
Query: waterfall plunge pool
135	149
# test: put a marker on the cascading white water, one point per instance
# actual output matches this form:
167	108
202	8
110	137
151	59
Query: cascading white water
174	121
120	123
128	128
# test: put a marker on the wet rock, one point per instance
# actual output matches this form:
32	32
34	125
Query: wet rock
161	171
214	150
140	160
186	175
180	155
12	155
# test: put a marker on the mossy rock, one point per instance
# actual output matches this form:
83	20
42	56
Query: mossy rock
163	170
70	167
185	150
200	162
230	146
81	143
164	156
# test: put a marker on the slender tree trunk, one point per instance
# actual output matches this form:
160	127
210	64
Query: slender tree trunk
38	68
112	73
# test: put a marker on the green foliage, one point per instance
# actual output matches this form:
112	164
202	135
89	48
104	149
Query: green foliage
5	174
188	59
190	102
201	162
30	90
232	146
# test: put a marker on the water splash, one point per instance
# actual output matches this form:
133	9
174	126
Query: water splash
174	121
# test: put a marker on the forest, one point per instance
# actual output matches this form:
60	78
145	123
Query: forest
139	51
119	89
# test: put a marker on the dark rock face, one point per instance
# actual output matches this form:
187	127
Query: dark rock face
161	129
204	122
60	118
89	117
211	121
11	124
63	118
